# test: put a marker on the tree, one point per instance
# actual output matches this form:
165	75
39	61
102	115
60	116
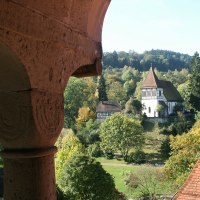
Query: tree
84	115
79	93
138	89
74	97
165	148
102	89
90	93
129	87
68	146
84	178
116	92
195	82
133	106
88	134
184	90
120	133
185	153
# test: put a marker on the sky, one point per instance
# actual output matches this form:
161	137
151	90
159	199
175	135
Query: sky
141	25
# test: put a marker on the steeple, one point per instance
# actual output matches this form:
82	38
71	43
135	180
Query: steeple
151	80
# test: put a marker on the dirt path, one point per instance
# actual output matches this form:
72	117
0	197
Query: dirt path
118	164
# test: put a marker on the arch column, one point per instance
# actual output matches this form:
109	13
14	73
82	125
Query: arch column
29	174
30	123
47	42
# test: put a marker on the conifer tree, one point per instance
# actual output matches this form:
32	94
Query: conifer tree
102	89
195	83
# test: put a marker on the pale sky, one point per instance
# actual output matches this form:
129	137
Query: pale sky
152	24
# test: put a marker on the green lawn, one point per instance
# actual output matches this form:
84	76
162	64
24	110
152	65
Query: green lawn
113	161
117	172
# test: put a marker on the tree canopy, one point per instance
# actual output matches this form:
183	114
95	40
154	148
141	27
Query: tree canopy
195	82
84	178
162	59
68	146
185	153
102	89
120	133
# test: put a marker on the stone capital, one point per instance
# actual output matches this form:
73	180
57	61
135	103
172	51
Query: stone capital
30	119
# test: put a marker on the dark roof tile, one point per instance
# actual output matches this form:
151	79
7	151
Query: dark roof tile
108	106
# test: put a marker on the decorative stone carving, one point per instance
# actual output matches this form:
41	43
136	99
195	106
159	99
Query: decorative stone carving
14	115
48	112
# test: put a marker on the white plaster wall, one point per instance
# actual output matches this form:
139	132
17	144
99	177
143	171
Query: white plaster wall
150	103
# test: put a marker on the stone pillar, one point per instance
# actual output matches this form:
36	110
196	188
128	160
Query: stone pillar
29	174
42	44
30	123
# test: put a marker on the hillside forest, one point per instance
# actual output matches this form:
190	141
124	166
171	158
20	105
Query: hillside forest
86	141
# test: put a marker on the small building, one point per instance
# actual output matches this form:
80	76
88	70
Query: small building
106	109
159	97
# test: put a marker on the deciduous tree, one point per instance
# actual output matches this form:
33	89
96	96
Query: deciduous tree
69	145
185	153
84	178
120	133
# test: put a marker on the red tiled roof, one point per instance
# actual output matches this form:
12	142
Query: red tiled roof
151	80
191	188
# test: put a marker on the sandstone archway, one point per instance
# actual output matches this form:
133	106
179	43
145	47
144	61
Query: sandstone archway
48	42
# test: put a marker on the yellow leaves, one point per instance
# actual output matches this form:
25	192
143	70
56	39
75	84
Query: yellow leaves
185	153
84	114
68	147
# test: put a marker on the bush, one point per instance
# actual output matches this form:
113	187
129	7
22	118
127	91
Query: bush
138	157
69	145
84	178
94	150
109	155
149	181
165	149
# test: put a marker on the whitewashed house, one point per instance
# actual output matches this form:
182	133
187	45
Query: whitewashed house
158	96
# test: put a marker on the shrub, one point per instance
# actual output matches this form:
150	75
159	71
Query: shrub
84	178
94	150
109	154
138	157
69	145
149	181
185	153
165	149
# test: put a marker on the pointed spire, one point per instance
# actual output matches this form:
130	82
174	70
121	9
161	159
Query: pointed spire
151	80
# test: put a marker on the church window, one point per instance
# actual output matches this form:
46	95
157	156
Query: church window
148	93
149	109
144	93
160	93
154	93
